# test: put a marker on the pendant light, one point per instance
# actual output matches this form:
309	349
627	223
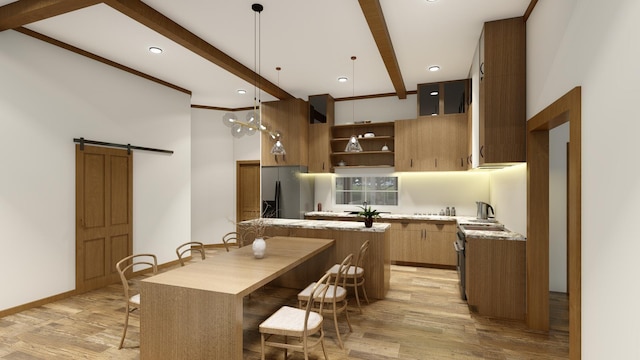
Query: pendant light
278	148
253	120
353	145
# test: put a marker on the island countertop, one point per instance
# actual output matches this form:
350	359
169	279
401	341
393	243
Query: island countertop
348	236
322	224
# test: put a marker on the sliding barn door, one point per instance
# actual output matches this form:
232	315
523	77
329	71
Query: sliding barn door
104	216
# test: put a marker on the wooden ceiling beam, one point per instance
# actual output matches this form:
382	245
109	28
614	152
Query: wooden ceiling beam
375	19
146	15
25	12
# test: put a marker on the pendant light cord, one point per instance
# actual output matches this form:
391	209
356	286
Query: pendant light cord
353	88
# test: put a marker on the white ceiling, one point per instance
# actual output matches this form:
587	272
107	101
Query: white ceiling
312	41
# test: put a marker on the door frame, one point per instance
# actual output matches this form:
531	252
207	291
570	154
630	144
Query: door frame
567	108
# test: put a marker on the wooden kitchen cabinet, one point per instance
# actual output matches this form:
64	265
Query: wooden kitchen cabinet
495	277
321	119
424	242
290	119
502	126
432	143
320	148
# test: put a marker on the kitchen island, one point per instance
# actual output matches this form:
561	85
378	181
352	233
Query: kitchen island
348	237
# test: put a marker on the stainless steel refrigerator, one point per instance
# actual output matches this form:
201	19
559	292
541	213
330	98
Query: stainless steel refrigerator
287	191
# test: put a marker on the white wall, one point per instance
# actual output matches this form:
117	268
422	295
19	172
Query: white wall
594	44
424	192
508	196
213	170
558	138
48	97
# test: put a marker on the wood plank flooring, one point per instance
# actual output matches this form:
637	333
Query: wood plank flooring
421	318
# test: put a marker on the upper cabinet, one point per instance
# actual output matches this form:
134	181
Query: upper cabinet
321	119
437	139
502	118
376	139
290	119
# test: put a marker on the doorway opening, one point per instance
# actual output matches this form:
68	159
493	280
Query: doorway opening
565	109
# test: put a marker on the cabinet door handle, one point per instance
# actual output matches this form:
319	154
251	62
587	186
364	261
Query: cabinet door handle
323	165
481	149
411	165
436	162
461	162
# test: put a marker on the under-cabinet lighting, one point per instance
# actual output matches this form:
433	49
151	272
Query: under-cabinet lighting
433	93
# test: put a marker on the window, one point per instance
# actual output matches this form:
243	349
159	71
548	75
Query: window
375	190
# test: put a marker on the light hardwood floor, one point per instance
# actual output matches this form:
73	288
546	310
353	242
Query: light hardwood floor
421	318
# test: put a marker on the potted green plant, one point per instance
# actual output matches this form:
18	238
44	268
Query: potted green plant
368	213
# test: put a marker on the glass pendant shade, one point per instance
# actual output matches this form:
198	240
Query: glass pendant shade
353	145
237	130
229	119
253	122
278	149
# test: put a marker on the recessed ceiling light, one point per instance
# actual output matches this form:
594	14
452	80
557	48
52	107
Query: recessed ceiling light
155	50
242	91
342	79
433	93
434	68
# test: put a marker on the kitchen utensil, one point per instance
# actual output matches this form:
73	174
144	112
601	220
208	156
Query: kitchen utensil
483	210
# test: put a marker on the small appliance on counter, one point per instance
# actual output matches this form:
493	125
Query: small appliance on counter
483	211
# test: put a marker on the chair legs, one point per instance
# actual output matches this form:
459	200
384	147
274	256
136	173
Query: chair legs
359	283
126	324
335	322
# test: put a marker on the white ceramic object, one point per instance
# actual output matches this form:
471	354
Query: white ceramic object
385	148
259	247
369	135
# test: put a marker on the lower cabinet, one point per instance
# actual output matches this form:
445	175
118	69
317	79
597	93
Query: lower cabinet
424	242
496	277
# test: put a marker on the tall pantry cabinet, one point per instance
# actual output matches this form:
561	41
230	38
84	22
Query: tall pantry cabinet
502	131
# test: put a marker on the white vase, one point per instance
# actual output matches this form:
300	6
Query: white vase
259	248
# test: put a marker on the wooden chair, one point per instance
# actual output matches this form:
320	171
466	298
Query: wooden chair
231	239
335	300
125	268
355	273
189	247
302	324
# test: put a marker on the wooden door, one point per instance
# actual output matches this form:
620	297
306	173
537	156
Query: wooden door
104	214
248	190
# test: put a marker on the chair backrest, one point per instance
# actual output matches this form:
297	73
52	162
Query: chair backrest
317	294
361	254
136	262
341	276
230	239
189	246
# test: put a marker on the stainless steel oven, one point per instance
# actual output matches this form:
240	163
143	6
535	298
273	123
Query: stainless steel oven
459	245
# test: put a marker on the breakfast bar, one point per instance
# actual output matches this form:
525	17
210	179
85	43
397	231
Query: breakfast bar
348	236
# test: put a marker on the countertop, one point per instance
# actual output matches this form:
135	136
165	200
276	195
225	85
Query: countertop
460	220
324	224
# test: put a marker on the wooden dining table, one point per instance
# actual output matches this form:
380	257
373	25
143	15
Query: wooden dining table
196	311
